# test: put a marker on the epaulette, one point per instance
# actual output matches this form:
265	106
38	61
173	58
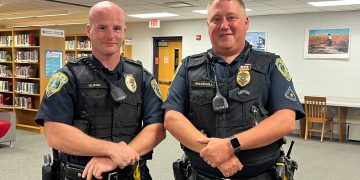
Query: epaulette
77	60
196	59
262	53
136	62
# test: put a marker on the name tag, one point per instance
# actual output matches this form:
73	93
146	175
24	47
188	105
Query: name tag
93	85
203	84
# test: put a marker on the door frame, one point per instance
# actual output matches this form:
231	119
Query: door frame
156	40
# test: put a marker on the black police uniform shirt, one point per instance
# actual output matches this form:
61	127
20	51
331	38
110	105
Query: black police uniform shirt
59	107
281	92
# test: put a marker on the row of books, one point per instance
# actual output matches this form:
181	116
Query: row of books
70	45
4	86
27	56
25	102
5	56
25	72
5	71
27	87
5	99
84	45
23	40
5	41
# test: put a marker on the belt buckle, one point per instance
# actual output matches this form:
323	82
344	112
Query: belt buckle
113	176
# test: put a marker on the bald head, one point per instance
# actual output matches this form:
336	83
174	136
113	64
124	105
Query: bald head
104	7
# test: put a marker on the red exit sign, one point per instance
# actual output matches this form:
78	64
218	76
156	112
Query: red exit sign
154	23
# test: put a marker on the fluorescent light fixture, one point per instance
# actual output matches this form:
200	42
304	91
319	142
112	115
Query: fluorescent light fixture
26	17
153	15
201	11
335	3
204	11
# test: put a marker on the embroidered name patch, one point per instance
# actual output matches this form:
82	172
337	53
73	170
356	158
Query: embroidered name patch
290	94
55	83
280	64
203	84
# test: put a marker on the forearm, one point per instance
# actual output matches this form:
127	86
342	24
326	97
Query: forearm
183	130
71	140
269	130
148	138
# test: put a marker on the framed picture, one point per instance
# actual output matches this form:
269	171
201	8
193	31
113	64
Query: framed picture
257	40
327	43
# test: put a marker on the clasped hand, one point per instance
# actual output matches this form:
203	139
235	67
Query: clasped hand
218	154
121	156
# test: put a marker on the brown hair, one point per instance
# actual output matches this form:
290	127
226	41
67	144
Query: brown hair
241	2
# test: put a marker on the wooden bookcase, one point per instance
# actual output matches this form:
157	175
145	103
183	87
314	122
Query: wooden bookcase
25	72
76	46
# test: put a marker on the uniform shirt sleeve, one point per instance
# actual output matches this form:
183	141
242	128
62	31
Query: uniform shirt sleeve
152	102
178	93
58	106
282	93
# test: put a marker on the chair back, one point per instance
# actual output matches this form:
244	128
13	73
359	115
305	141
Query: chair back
315	107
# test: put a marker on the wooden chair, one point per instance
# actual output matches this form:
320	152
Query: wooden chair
315	112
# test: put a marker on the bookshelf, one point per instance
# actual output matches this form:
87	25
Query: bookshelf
76	46
79	45
22	72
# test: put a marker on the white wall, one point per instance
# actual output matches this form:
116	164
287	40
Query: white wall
286	37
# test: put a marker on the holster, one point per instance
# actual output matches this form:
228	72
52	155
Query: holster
51	169
182	168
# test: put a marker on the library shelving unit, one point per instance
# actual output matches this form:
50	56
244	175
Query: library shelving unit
22	72
6	75
82	45
79	45
70	51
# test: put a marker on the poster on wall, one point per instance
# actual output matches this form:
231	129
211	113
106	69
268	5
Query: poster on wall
257	40
53	61
327	43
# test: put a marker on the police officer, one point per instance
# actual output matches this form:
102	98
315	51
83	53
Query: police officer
230	106
102	112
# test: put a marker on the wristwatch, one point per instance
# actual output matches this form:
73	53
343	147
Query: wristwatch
235	144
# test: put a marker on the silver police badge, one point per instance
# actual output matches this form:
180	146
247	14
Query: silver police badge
243	76
130	82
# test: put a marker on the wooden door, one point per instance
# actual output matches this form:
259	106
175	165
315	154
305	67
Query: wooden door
169	58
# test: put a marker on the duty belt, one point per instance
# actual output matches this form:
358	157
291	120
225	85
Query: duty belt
196	175
73	172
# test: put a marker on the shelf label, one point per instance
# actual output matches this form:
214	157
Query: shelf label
52	32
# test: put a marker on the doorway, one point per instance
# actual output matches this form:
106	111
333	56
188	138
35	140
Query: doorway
167	57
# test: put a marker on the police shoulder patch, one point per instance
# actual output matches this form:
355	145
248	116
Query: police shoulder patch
176	71
290	94
156	88
55	83
280	64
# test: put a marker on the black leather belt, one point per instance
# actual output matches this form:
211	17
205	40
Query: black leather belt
74	172
196	175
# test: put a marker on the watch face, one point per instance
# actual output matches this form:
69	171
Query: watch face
235	143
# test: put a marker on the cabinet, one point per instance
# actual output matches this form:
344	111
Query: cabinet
22	75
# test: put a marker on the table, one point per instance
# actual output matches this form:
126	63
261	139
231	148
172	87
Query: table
342	103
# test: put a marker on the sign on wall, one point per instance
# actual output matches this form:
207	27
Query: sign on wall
53	62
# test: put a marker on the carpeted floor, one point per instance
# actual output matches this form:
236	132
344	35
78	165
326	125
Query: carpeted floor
317	161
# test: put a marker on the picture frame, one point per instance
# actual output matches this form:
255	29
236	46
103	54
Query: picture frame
257	40
327	43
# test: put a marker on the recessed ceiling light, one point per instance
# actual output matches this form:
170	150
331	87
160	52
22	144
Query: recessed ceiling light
204	11
153	15
335	3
